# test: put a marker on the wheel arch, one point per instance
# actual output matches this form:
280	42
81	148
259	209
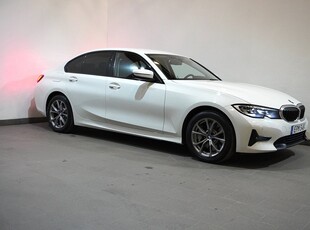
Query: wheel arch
53	94
69	124
199	109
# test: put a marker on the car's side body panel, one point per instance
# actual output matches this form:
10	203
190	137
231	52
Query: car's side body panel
86	93
137	103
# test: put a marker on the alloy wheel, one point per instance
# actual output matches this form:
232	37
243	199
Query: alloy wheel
208	137
58	114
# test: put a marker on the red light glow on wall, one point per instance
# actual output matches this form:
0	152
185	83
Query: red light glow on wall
20	67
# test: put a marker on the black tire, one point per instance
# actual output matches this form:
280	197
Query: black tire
59	114
210	137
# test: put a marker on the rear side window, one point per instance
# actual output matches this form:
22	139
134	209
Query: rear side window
75	65
95	63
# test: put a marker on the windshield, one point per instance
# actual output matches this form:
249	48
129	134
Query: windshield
181	68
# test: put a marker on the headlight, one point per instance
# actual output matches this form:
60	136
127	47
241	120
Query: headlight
257	111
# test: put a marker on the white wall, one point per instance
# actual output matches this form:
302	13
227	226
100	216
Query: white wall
37	35
265	42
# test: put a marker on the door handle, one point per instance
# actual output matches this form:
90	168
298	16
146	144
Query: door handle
114	86
73	79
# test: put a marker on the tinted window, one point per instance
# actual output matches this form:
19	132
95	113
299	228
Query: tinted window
75	65
96	63
126	62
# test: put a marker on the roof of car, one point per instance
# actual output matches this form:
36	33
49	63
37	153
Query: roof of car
140	51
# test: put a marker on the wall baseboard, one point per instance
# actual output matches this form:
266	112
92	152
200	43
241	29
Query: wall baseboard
23	121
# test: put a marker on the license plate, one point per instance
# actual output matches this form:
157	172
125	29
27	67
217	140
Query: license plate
298	128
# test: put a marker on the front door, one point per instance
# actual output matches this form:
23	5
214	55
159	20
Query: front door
131	102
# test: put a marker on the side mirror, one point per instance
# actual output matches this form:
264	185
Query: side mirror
143	73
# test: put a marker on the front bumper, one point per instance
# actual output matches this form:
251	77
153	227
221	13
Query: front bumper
255	135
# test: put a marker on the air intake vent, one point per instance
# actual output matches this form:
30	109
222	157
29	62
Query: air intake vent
288	141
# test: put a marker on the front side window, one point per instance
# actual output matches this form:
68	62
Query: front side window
181	68
95	63
126	62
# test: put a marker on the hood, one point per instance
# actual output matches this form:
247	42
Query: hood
252	94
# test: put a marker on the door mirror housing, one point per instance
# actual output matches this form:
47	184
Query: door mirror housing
143	73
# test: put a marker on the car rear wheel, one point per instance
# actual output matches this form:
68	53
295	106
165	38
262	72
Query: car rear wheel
59	114
210	137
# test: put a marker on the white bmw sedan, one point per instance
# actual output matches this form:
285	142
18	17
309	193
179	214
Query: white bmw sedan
169	97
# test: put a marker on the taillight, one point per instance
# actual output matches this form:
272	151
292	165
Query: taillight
40	77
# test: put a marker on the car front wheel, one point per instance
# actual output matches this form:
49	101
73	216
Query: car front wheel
59	114
210	137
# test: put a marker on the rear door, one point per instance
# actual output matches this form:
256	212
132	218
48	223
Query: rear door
87	84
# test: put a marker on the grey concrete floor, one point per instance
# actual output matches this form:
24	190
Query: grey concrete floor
100	180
